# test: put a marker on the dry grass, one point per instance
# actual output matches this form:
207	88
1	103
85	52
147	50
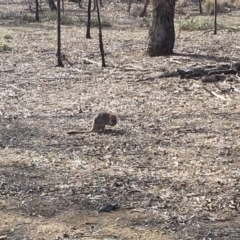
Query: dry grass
237	2
222	6
172	163
180	5
209	7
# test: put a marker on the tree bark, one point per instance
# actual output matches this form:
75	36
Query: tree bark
161	31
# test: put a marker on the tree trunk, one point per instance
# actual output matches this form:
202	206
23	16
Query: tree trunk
161	31
52	5
142	14
37	12
59	55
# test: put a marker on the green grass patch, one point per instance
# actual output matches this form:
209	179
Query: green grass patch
105	23
198	23
201	23
8	15
51	16
4	47
65	19
28	18
7	36
135	12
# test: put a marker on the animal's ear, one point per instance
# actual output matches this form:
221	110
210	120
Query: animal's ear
112	116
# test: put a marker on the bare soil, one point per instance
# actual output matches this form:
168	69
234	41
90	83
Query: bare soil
171	164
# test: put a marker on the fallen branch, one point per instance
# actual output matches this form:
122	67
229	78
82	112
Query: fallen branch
215	94
8	70
88	61
169	74
146	79
213	78
76	69
208	73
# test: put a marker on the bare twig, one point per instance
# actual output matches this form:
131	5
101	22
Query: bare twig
214	94
88	61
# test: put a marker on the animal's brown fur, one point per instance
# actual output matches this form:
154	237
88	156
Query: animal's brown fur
99	123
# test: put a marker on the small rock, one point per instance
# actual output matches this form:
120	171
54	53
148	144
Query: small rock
109	208
65	235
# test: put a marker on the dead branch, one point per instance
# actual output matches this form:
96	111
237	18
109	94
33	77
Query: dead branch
88	61
8	70
208	73
214	94
213	78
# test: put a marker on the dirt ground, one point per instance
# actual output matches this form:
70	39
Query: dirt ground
171	164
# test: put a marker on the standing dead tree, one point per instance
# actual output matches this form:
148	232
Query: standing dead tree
200	6
100	29
215	17
95	3
38	5
100	36
59	56
88	35
161	31
37	12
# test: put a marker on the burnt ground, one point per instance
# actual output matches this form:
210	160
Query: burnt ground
172	162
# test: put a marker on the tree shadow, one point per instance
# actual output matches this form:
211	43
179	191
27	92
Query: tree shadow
51	186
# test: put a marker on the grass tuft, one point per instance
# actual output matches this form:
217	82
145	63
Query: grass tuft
28	18
4	47
65	19
7	36
200	23
51	16
8	15
94	22
135	12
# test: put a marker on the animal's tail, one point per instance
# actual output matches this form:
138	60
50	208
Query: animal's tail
72	133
